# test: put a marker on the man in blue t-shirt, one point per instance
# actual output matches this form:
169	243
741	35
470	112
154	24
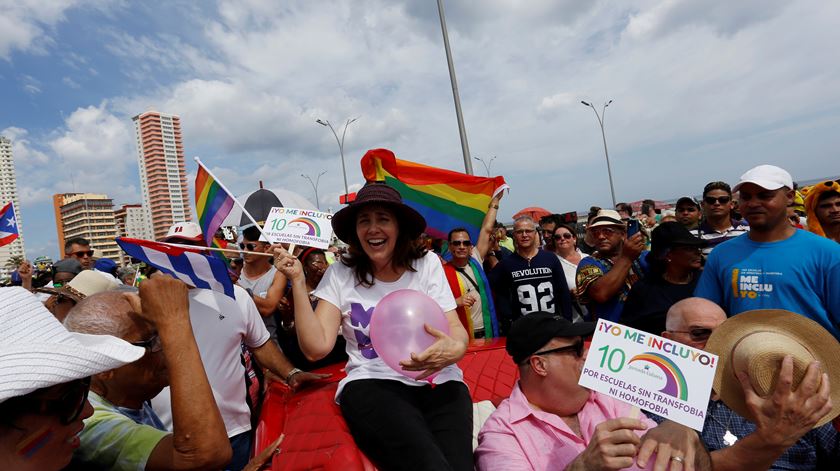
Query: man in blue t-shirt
529	280
776	266
604	278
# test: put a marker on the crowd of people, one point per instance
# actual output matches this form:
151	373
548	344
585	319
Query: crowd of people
102	368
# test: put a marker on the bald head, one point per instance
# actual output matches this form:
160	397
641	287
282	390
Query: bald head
106	313
691	320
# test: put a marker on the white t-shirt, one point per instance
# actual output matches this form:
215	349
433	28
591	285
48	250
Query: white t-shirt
260	286
220	325
356	303
569	270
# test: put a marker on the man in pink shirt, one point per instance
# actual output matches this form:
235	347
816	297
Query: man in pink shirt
551	422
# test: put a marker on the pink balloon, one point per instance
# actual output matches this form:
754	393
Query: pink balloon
396	327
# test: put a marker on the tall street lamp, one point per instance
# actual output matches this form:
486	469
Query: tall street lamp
487	164
340	146
465	146
315	186
604	137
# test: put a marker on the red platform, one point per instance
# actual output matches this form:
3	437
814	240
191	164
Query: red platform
317	436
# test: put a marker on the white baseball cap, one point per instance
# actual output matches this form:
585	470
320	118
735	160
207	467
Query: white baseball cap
36	351
185	231
768	177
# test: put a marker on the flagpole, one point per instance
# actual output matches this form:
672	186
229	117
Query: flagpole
244	211
217	249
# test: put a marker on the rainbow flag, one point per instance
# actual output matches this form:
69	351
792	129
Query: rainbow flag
212	204
445	198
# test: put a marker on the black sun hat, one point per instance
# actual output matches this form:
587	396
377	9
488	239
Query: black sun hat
530	332
410	221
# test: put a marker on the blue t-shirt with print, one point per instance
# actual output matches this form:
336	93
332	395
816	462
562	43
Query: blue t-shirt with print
799	274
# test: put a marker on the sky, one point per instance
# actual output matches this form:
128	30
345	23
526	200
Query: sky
702	91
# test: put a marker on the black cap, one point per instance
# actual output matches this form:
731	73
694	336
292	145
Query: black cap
669	234
530	332
687	200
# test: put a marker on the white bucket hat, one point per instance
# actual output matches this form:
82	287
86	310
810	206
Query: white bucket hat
36	351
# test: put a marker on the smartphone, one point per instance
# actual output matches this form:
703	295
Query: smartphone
632	227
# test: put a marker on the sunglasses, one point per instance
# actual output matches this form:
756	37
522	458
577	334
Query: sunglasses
562	236
576	348
153	344
719	199
250	246
82	253
69	406
461	243
697	335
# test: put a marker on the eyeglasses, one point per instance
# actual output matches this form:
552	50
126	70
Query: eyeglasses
562	236
250	246
719	199
607	231
576	348
69	406
460	243
697	335
520	232
82	253
152	344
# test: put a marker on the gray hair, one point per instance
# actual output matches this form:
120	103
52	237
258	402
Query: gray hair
105	313
526	219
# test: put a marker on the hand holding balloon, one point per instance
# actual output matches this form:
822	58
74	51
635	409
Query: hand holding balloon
411	334
444	352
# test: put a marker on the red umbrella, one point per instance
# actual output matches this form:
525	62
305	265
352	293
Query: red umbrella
534	212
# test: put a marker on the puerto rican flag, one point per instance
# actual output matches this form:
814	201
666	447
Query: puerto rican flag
8	225
190	266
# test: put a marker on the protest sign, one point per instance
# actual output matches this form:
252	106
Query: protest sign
299	226
656	374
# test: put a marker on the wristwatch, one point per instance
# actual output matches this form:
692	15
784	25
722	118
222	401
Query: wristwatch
292	373
494	206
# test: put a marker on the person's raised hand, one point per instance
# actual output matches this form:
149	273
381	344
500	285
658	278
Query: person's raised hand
25	270
785	415
444	352
287	263
159	299
633	246
613	445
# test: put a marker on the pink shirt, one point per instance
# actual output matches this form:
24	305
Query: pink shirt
517	437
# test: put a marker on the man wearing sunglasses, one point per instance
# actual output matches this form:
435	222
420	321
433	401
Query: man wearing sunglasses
718	225
124	432
771	440
467	279
551	422
79	249
775	266
259	277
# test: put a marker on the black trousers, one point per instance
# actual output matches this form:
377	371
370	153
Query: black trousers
410	427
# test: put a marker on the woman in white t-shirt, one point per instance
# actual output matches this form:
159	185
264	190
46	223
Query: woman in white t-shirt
565	247
399	423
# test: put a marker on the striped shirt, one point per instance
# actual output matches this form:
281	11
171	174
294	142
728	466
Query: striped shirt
713	237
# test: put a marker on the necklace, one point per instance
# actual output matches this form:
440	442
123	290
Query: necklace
728	437
686	281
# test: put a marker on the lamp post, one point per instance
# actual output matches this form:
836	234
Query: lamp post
487	165
604	137
465	146
315	186
340	146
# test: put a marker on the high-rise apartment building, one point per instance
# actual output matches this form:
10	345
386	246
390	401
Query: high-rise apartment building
132	221
90	216
163	177
8	192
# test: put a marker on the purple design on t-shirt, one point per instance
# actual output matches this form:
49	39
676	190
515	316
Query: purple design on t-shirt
360	319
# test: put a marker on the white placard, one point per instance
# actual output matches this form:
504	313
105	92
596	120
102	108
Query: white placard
656	374
299	226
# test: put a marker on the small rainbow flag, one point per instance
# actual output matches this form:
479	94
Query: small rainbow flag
212	204
445	198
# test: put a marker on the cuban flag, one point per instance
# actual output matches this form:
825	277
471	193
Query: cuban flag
8	225
190	266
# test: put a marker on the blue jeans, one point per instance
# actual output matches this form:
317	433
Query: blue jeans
241	445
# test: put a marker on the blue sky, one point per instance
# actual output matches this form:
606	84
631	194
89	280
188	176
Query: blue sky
703	91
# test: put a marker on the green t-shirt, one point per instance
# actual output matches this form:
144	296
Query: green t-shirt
112	440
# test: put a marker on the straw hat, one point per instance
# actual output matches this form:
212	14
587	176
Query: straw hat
755	342
36	351
86	283
410	221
